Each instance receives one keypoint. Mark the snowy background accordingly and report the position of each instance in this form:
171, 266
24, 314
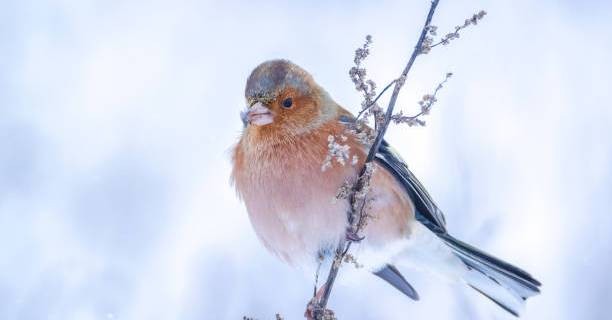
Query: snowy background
117, 117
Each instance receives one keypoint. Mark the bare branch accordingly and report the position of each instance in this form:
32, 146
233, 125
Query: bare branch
358, 198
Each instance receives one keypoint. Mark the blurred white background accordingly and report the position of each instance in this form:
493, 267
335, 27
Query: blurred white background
117, 117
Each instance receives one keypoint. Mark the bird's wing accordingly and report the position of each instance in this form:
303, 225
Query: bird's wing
426, 210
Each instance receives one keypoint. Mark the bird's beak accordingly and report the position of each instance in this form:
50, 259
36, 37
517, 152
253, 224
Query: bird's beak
259, 115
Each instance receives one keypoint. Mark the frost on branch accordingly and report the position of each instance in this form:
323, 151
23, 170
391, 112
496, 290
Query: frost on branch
360, 203
358, 74
426, 103
367, 87
349, 258
345, 190
338, 152
432, 31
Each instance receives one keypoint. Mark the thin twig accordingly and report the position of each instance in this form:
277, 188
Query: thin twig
426, 104
375, 99
455, 34
344, 246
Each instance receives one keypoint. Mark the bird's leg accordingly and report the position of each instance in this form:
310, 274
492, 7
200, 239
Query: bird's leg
320, 258
313, 305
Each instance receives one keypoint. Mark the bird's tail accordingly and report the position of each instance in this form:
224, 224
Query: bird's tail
503, 283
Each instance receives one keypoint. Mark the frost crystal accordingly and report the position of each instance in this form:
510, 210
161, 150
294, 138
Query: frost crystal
336, 151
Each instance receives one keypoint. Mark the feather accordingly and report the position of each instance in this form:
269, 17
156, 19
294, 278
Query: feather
506, 285
390, 274
426, 210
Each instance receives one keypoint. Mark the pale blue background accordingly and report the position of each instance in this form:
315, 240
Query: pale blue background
117, 117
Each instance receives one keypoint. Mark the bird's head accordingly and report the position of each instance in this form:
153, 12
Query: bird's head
282, 96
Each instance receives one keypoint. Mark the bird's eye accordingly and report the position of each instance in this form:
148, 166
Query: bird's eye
287, 103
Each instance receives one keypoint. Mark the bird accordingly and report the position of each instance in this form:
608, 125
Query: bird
291, 198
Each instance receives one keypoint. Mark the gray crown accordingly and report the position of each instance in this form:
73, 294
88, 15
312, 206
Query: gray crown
271, 77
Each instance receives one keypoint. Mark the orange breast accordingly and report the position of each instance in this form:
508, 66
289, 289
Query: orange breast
291, 201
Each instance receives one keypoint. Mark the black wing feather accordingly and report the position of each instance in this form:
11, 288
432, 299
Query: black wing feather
390, 274
426, 210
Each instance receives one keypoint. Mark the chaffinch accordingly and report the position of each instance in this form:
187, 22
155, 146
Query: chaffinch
277, 172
